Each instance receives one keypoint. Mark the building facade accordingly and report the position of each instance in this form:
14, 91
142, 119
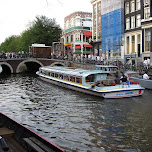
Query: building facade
112, 31
133, 31
146, 25
138, 30
96, 27
78, 34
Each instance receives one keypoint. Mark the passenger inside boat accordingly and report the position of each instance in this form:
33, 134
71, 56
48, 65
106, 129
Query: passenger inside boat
100, 84
90, 78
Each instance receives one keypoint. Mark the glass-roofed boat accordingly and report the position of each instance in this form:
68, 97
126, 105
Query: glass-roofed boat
93, 82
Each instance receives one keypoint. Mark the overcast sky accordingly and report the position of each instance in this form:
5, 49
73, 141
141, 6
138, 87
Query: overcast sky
16, 14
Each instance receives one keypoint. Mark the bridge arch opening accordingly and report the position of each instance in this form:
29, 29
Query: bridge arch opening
58, 64
31, 65
6, 68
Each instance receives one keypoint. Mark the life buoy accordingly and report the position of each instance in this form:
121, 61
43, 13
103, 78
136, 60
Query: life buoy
139, 91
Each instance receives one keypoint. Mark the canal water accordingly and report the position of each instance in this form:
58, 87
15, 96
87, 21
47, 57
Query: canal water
76, 121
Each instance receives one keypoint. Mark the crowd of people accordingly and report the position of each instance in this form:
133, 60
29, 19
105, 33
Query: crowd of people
10, 55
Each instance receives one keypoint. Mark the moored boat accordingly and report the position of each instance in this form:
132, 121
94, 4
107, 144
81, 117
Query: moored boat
15, 137
136, 77
87, 81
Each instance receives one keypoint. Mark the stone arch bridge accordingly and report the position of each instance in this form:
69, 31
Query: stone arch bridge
30, 64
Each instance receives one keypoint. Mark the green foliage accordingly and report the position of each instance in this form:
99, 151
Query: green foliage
42, 30
10, 44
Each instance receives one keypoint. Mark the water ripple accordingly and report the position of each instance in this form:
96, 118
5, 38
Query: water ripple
75, 121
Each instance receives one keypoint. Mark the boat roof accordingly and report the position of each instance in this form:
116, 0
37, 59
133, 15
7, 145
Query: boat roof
106, 66
71, 71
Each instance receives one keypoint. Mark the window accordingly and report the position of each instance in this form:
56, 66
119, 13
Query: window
77, 36
71, 38
60, 76
99, 20
138, 20
127, 8
127, 44
72, 78
67, 24
147, 40
147, 12
95, 22
127, 23
78, 22
146, 2
72, 22
99, 8
79, 80
138, 5
133, 22
133, 44
132, 6
94, 9
67, 40
138, 38
66, 77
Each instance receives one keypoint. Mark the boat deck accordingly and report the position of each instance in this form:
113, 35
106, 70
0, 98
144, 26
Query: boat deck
12, 144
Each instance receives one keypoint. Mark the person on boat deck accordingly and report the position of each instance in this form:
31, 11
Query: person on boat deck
117, 80
117, 74
123, 78
145, 76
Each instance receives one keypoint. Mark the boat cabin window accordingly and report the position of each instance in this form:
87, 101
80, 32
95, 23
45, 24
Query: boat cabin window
45, 72
66, 77
60, 76
52, 74
72, 78
56, 75
90, 78
113, 69
104, 69
79, 80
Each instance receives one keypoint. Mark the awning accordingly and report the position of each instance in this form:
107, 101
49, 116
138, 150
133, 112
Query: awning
78, 47
68, 46
87, 45
88, 33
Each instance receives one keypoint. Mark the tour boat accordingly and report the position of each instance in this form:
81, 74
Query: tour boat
86, 81
15, 137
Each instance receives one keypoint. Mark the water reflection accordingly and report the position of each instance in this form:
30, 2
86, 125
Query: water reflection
75, 121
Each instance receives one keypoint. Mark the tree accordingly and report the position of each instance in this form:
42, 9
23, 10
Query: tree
42, 30
10, 44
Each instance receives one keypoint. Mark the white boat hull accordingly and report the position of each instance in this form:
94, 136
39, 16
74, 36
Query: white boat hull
123, 94
120, 92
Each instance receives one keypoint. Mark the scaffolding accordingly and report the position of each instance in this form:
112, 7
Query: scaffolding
112, 22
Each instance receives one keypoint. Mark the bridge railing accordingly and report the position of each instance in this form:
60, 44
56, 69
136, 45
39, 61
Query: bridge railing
14, 55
